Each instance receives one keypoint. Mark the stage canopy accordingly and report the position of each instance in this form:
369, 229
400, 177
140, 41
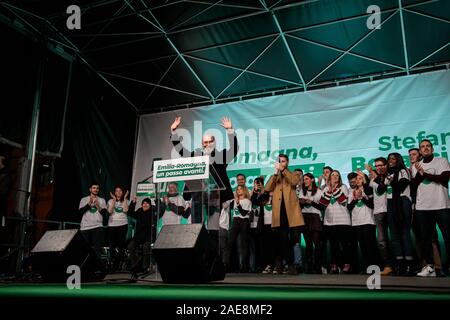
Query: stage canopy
165, 55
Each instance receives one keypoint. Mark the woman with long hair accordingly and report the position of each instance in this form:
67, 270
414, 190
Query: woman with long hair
117, 226
239, 209
266, 238
337, 222
397, 184
360, 205
309, 198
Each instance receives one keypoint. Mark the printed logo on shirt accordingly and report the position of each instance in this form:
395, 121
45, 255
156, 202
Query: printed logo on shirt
118, 209
389, 189
359, 203
307, 206
93, 209
333, 200
379, 193
426, 181
236, 212
268, 207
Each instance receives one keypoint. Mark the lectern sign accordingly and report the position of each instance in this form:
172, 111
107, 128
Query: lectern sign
194, 168
145, 189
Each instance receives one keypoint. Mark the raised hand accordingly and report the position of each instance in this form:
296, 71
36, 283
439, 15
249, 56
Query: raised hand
175, 123
134, 199
368, 168
358, 194
277, 167
226, 123
126, 195
361, 174
112, 196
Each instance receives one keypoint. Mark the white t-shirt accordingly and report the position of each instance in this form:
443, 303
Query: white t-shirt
402, 174
92, 218
246, 205
361, 214
224, 218
379, 200
118, 217
170, 217
256, 212
268, 213
432, 195
315, 198
336, 213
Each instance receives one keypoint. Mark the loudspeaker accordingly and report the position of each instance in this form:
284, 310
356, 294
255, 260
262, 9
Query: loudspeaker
185, 254
59, 249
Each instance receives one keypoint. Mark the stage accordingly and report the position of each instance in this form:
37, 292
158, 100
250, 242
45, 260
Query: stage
241, 287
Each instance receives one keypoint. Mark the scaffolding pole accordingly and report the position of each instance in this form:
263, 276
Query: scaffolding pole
28, 175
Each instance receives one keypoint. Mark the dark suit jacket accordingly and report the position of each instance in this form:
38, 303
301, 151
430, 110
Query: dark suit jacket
220, 161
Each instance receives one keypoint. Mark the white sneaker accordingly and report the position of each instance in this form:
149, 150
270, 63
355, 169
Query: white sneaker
267, 270
427, 271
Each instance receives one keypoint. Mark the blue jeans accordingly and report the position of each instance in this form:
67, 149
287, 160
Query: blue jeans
401, 229
298, 257
427, 220
383, 237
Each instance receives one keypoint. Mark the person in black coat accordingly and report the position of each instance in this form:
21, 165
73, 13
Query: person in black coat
145, 232
219, 160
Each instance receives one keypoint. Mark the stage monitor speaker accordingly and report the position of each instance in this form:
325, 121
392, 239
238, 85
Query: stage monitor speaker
185, 254
59, 249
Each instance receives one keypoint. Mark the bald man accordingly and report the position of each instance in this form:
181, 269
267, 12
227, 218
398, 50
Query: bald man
219, 159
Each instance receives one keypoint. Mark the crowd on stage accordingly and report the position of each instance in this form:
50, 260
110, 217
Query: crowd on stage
389, 216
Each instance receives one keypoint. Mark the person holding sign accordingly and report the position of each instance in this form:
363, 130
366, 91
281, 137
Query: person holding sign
219, 160
145, 233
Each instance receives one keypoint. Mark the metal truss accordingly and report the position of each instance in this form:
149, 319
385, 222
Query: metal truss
157, 31
182, 58
68, 44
